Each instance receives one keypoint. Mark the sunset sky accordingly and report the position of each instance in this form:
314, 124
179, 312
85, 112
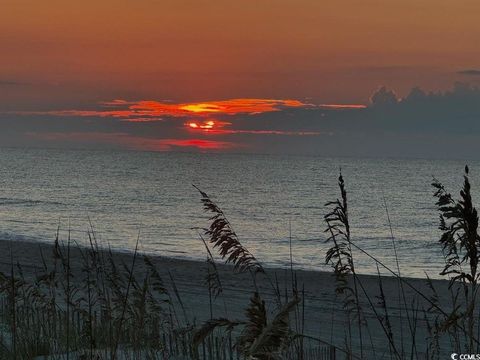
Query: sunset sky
255, 76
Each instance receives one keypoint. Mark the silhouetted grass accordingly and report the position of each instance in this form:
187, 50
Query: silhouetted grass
109, 309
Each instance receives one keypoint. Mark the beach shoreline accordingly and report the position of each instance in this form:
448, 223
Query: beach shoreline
325, 315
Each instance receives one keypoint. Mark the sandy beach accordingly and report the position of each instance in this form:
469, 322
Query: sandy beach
323, 313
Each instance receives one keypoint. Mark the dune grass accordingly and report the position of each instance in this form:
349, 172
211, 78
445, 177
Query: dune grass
109, 310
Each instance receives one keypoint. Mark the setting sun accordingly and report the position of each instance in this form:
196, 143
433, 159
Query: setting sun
207, 125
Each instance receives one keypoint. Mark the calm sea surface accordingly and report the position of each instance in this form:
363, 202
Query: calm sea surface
129, 193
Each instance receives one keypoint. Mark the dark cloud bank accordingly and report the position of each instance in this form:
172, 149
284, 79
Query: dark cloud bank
473, 72
431, 125
422, 124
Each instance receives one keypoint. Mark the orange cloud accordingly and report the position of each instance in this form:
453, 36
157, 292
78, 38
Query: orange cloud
223, 107
198, 117
343, 106
149, 110
201, 108
146, 109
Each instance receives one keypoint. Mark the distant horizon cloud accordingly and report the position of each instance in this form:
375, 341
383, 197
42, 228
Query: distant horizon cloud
145, 109
417, 124
473, 72
130, 142
6, 82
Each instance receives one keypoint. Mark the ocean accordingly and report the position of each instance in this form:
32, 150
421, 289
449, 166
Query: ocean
267, 198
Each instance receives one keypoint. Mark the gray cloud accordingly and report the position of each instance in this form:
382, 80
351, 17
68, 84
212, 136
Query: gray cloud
471, 72
6, 82
422, 124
